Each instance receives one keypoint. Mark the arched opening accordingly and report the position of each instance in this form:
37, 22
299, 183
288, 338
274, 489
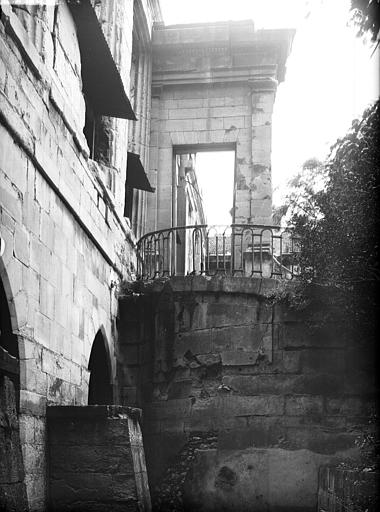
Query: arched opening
8, 341
9, 361
12, 487
100, 387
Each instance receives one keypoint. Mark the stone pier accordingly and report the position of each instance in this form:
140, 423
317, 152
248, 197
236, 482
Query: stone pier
96, 459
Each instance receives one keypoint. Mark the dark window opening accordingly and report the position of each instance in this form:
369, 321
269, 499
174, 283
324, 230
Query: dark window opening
7, 340
9, 362
128, 201
89, 130
103, 87
102, 83
97, 133
136, 179
100, 387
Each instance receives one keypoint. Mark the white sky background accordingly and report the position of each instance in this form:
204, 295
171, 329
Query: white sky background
217, 193
330, 76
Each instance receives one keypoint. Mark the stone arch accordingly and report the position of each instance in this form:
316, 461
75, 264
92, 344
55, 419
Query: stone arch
9, 349
7, 339
100, 390
8, 303
12, 486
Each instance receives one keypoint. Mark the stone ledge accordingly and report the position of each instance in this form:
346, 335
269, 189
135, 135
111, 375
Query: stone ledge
210, 284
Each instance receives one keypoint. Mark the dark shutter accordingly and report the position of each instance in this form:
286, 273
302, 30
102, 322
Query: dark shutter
102, 84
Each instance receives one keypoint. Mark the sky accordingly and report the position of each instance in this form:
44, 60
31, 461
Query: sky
217, 201
330, 79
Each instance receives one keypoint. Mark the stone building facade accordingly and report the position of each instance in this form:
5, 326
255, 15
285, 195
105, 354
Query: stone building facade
65, 79
244, 401
99, 104
213, 88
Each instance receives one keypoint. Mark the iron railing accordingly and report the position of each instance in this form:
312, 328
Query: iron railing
236, 250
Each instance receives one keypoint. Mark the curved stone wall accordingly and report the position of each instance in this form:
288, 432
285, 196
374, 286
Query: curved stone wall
282, 394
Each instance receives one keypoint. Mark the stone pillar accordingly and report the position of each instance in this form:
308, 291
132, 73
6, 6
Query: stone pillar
181, 214
96, 459
261, 182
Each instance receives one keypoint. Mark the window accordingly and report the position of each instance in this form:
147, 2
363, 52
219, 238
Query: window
97, 135
102, 85
136, 179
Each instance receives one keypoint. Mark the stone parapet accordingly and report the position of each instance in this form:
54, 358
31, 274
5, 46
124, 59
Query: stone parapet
282, 393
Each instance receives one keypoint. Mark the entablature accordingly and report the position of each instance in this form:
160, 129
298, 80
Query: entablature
210, 47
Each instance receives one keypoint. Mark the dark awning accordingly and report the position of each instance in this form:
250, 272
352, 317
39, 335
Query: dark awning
136, 175
102, 83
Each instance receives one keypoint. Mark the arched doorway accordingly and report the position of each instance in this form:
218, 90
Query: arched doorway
100, 389
12, 487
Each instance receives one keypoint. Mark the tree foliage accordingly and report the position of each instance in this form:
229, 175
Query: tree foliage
366, 15
338, 225
301, 189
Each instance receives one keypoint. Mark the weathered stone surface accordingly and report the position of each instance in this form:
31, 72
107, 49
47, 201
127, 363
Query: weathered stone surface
292, 485
96, 455
338, 487
168, 495
305, 405
216, 359
91, 459
194, 107
168, 409
251, 385
12, 471
240, 337
66, 239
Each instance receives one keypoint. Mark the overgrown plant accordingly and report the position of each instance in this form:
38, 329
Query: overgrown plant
337, 223
334, 210
366, 16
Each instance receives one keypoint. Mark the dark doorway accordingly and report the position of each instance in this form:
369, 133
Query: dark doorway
100, 386
8, 341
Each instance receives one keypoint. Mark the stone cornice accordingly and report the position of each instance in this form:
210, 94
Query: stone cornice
257, 80
228, 40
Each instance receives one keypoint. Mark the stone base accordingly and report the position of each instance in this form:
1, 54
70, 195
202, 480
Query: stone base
96, 459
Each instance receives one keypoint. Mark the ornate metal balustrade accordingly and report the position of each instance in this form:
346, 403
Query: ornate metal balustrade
236, 250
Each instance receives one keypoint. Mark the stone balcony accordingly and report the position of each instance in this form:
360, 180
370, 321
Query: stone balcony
244, 250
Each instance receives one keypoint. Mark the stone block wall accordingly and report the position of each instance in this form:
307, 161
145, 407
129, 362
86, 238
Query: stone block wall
67, 244
214, 87
193, 116
281, 395
96, 459
136, 326
347, 489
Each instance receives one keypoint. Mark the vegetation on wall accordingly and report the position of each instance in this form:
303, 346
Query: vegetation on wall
333, 206
334, 210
